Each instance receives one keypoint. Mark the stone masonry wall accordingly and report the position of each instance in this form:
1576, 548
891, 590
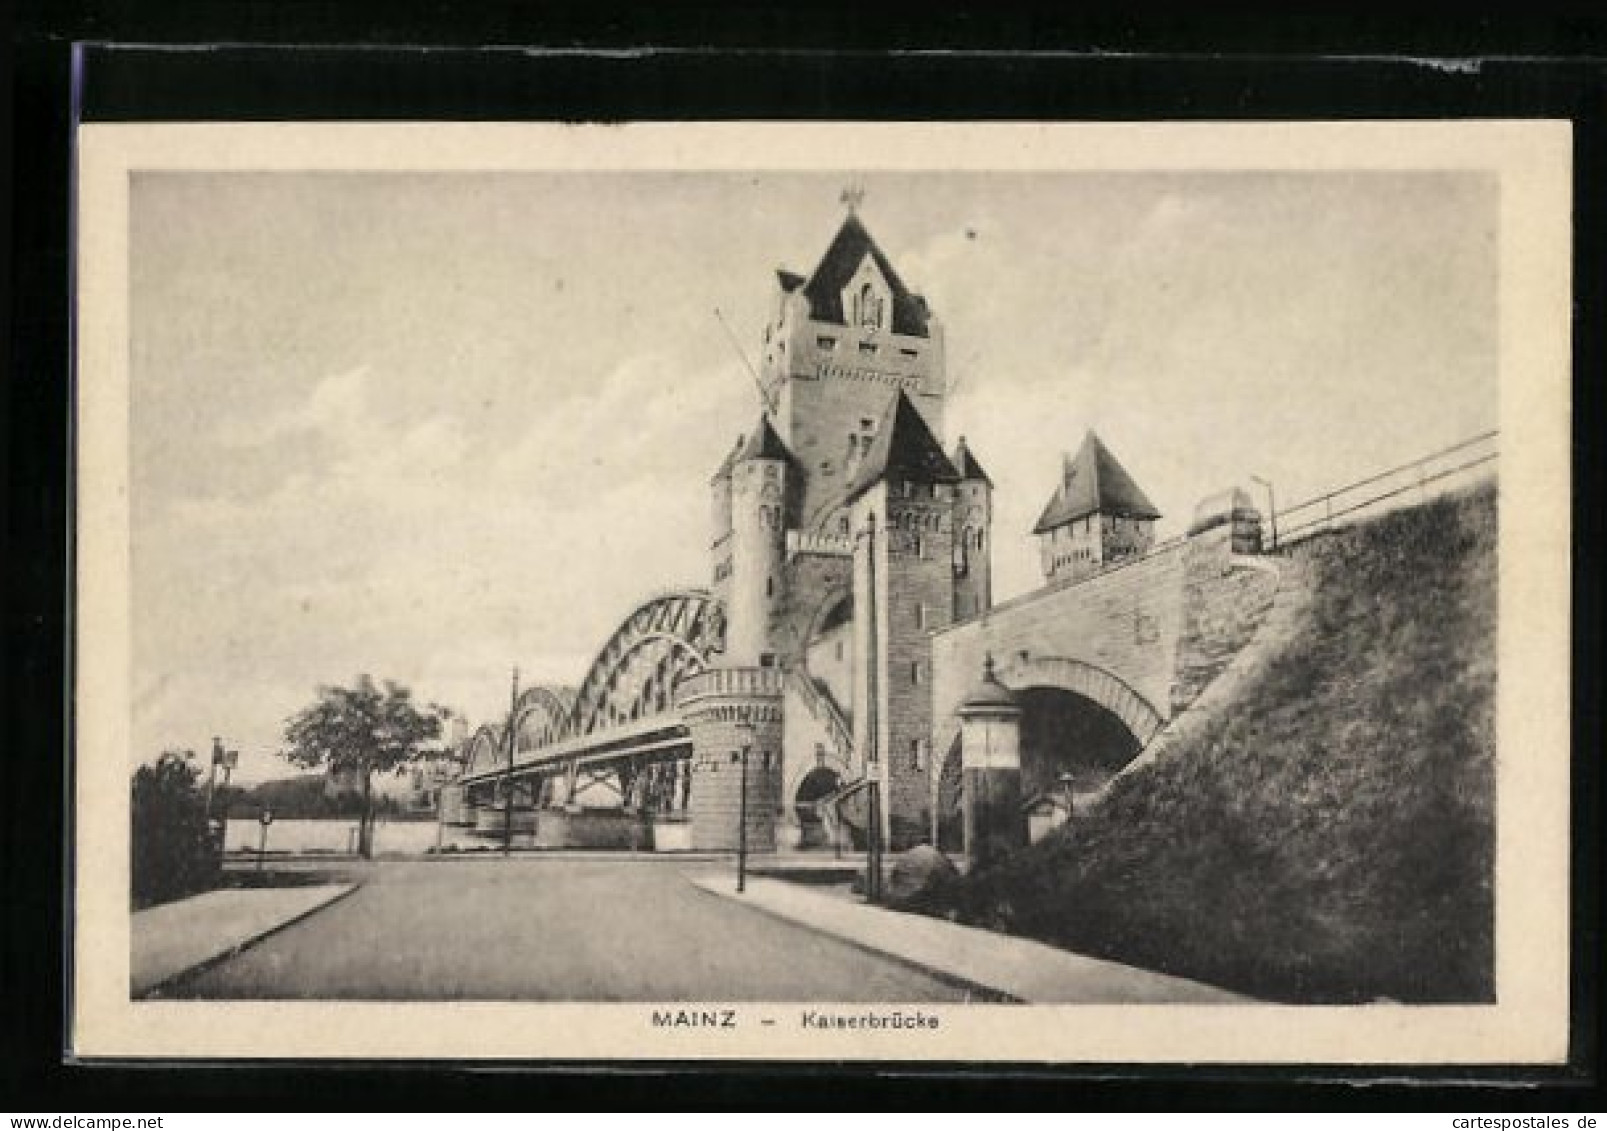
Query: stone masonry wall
1225, 600
720, 707
1126, 620
918, 599
810, 583
1166, 625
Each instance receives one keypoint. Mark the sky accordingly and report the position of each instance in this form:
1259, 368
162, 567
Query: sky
431, 426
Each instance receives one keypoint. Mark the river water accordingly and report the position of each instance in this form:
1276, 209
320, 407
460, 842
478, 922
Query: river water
340, 836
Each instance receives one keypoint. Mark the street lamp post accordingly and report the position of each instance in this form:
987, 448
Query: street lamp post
1272, 507
227, 759
741, 758
264, 819
212, 773
507, 807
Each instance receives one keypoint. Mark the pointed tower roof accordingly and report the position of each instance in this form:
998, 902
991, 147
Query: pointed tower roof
1094, 483
824, 288
763, 443
965, 463
904, 448
726, 464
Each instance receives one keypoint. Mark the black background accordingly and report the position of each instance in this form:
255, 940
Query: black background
599, 62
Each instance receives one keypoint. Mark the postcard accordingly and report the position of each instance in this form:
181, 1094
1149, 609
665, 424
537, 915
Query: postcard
1033, 592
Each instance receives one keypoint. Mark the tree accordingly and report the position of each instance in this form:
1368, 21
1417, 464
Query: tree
173, 852
358, 730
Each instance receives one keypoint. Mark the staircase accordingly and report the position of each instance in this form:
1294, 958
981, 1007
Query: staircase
823, 708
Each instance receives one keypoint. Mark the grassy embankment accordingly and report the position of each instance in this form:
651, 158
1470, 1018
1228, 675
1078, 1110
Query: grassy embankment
1329, 836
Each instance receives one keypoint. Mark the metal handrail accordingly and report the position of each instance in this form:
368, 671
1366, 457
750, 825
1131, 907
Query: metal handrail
1424, 478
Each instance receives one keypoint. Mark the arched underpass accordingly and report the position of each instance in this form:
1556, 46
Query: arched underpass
1064, 734
1078, 722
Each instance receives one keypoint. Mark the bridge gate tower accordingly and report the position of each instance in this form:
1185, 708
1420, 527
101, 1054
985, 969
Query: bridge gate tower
840, 520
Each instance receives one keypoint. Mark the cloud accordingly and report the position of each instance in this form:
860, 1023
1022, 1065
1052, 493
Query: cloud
337, 407
408, 553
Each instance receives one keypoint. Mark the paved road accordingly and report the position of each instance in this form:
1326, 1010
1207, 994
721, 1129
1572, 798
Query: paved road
549, 929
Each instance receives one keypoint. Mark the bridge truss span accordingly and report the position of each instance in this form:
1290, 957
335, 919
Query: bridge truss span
487, 750
620, 728
664, 640
542, 717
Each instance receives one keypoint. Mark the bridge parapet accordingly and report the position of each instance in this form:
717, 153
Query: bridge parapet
729, 681
826, 545
1141, 638
734, 717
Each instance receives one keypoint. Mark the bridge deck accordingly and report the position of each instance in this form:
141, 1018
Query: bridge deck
660, 734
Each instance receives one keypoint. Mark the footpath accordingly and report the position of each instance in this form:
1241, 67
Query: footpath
186, 934
1016, 968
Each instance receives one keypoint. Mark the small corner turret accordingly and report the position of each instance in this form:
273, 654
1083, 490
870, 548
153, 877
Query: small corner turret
759, 492
1097, 516
973, 535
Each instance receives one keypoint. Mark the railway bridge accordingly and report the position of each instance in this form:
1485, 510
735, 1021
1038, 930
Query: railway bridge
663, 736
621, 734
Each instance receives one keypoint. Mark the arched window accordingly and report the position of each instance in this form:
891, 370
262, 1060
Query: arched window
870, 307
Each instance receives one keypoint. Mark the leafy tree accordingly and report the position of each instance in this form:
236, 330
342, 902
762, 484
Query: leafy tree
173, 851
356, 731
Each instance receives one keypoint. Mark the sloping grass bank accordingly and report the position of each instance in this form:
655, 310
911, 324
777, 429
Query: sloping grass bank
1328, 837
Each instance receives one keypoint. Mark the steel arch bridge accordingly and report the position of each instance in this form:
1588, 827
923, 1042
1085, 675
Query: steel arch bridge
664, 640
619, 728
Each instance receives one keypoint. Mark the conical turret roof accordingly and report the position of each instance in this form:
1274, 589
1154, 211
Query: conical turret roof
763, 443
904, 448
726, 464
966, 464
1094, 482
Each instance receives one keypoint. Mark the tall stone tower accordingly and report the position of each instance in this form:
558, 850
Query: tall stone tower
843, 536
839, 343
902, 512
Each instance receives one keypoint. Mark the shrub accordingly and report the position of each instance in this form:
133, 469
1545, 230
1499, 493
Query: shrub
173, 852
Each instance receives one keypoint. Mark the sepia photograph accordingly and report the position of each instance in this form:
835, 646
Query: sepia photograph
866, 591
